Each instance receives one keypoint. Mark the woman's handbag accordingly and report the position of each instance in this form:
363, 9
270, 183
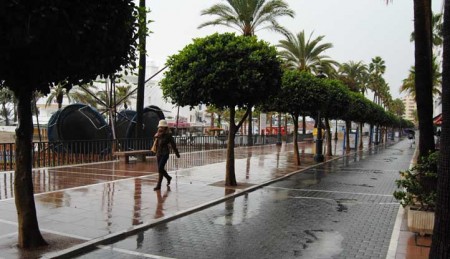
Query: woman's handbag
155, 143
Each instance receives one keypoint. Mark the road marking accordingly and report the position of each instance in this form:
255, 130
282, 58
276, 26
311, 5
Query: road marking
8, 235
152, 176
43, 230
337, 200
125, 251
315, 190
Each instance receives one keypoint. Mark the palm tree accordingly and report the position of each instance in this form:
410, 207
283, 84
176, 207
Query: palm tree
397, 107
248, 16
376, 81
57, 94
84, 94
356, 73
124, 95
408, 85
437, 30
6, 97
306, 54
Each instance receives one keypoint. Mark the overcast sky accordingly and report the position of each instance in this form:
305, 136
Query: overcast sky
358, 29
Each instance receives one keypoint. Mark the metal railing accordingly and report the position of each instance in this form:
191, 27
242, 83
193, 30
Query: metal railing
50, 154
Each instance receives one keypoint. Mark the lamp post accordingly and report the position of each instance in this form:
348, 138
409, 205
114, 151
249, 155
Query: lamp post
318, 157
336, 133
279, 130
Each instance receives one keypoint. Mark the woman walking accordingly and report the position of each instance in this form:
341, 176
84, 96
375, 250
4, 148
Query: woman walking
163, 139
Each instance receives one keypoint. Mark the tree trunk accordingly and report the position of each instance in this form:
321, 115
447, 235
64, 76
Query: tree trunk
270, 124
59, 100
377, 127
371, 135
329, 146
212, 120
361, 145
29, 233
304, 124
286, 126
297, 154
230, 178
348, 125
424, 74
250, 130
440, 247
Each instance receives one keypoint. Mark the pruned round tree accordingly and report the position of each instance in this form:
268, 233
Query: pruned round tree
226, 71
300, 93
45, 42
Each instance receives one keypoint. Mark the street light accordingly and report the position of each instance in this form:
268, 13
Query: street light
318, 157
335, 133
279, 130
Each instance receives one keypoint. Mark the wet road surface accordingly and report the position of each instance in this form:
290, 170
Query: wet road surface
340, 209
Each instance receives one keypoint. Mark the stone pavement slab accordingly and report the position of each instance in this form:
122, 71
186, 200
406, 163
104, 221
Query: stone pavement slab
91, 201
302, 216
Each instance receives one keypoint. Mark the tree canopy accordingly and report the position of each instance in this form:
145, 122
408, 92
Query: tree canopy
46, 42
223, 70
226, 71
43, 43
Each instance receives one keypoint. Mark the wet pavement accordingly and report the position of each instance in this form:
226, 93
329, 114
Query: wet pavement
340, 209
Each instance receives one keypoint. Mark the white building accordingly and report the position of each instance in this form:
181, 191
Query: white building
410, 107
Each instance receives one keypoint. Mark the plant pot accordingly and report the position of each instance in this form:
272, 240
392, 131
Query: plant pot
420, 221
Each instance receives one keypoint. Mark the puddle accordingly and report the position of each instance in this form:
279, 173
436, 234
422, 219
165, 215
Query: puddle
321, 244
236, 212
342, 204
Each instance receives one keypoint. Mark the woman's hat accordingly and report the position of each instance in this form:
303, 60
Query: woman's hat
162, 123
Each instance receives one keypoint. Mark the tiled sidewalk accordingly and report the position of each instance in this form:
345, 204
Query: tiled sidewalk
85, 202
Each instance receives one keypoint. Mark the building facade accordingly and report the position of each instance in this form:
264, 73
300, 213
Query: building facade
410, 108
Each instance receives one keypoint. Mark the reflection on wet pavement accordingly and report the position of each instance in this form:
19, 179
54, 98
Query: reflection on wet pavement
325, 212
323, 244
90, 201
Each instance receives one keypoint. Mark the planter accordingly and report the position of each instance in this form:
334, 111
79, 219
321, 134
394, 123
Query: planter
420, 221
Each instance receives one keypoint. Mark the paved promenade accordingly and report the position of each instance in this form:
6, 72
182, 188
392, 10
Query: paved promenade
345, 204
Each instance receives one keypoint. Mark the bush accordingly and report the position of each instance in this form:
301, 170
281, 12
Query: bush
419, 184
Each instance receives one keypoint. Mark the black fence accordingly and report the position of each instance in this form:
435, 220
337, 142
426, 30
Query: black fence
49, 154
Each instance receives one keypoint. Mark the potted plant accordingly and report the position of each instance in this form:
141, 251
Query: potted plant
418, 194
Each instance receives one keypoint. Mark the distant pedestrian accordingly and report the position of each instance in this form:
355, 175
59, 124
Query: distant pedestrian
411, 137
164, 138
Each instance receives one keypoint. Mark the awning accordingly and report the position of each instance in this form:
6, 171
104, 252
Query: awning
437, 120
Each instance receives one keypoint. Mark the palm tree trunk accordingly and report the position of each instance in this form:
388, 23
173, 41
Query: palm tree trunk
441, 232
212, 120
424, 75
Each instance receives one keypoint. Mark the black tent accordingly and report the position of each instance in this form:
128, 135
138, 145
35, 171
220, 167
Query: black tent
78, 123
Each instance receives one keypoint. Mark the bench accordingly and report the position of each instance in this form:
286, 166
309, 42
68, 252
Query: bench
125, 155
